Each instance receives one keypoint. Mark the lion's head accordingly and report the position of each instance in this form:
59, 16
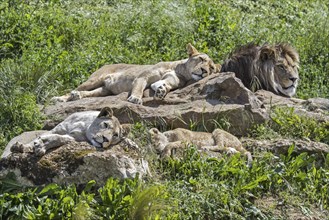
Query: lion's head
105, 130
159, 140
198, 65
269, 67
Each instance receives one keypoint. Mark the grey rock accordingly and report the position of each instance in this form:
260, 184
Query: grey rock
219, 100
77, 163
317, 108
281, 146
219, 97
24, 138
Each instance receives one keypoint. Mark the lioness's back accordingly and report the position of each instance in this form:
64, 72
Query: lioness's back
76, 124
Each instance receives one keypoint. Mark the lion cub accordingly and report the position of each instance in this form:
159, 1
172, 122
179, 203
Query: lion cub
218, 141
101, 129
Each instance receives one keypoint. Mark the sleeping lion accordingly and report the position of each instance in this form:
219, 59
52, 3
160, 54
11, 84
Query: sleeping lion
270, 67
162, 77
217, 141
99, 128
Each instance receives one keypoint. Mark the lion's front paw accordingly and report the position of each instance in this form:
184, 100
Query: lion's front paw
75, 95
161, 92
39, 147
134, 99
19, 147
40, 151
160, 89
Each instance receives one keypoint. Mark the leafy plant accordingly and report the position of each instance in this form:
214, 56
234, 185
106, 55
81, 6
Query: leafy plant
286, 123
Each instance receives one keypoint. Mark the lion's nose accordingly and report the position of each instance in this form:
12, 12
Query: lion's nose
105, 139
204, 71
293, 79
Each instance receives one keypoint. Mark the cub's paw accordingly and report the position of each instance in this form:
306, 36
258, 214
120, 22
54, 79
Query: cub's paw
75, 95
135, 100
19, 147
161, 92
231, 151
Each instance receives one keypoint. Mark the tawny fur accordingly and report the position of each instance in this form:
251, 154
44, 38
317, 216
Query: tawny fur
270, 67
217, 141
161, 77
101, 129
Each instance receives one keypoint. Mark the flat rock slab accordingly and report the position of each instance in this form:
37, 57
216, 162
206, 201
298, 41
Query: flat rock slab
219, 97
281, 146
24, 138
77, 162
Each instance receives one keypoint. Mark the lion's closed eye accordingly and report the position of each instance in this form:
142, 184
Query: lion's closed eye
105, 125
282, 67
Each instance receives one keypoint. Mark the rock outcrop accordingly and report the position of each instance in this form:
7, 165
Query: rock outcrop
219, 100
77, 162
217, 97
281, 146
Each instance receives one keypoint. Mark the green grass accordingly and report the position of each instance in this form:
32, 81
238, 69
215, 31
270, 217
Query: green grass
286, 123
194, 187
49, 47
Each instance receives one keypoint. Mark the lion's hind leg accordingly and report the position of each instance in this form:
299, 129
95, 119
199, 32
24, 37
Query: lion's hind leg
99, 92
19, 147
230, 151
42, 144
91, 84
63, 98
230, 144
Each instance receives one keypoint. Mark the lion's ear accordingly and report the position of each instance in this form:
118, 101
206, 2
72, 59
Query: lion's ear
154, 131
218, 67
288, 50
191, 50
106, 112
267, 53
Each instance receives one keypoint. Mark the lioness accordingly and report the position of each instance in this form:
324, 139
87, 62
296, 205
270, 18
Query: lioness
162, 77
270, 67
101, 129
218, 141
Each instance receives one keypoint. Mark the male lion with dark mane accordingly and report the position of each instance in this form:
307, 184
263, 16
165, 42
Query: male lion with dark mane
270, 67
161, 77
